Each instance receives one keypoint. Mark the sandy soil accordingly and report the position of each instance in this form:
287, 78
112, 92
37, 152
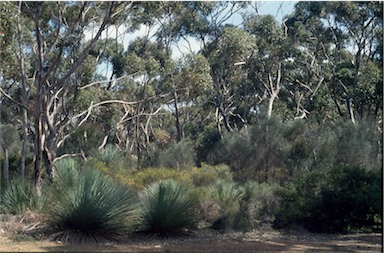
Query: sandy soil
27, 233
210, 241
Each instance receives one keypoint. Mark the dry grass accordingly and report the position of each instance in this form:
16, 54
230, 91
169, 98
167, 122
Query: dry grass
30, 224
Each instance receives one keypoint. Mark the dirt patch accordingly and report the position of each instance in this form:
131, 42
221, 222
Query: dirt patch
212, 241
27, 233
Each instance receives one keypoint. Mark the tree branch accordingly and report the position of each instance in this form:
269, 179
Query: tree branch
13, 100
60, 83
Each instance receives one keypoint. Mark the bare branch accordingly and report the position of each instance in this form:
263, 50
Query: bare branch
103, 143
86, 51
103, 81
87, 116
10, 98
65, 156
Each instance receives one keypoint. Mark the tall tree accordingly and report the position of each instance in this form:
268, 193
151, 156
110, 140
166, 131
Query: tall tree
8, 138
347, 36
226, 55
269, 58
57, 55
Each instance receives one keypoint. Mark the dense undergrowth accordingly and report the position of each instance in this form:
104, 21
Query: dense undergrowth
323, 180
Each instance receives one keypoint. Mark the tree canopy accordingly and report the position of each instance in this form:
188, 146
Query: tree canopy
321, 64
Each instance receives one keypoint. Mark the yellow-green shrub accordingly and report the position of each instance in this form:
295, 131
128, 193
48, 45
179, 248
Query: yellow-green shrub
142, 178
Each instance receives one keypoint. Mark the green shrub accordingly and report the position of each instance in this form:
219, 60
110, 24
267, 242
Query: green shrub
343, 200
89, 207
350, 200
258, 205
168, 206
204, 176
253, 151
144, 177
298, 199
179, 156
227, 196
18, 197
66, 172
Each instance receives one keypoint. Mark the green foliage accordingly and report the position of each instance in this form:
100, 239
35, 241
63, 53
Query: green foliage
204, 176
257, 206
206, 139
181, 155
147, 176
8, 136
109, 154
297, 199
88, 207
254, 153
227, 196
18, 197
168, 207
345, 199
67, 175
350, 200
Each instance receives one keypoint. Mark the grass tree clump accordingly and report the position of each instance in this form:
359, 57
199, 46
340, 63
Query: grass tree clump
18, 197
167, 207
92, 208
227, 195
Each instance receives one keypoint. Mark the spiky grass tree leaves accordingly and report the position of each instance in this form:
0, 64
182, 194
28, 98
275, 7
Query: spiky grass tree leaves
168, 207
92, 209
228, 196
18, 197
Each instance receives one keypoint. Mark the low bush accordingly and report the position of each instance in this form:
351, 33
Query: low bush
144, 177
167, 207
226, 195
89, 207
257, 206
179, 156
18, 197
351, 200
345, 199
204, 176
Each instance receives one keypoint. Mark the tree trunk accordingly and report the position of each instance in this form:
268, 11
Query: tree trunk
225, 118
270, 105
274, 89
177, 117
38, 152
350, 109
6, 167
24, 98
24, 143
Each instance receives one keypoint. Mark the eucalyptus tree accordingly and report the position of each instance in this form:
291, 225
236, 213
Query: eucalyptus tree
13, 69
234, 47
145, 60
270, 58
346, 40
309, 72
8, 138
176, 21
194, 83
58, 55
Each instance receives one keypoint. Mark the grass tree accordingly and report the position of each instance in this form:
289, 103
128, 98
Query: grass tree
89, 207
167, 207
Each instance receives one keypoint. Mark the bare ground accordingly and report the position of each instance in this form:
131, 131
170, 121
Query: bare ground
15, 236
209, 241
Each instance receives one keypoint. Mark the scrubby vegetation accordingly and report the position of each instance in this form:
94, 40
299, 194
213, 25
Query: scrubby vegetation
306, 184
268, 125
